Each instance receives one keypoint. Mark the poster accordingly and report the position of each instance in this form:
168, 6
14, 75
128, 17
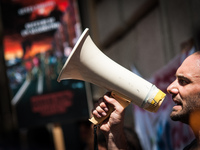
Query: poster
38, 36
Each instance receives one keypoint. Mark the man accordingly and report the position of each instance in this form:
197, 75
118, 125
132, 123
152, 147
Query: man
185, 91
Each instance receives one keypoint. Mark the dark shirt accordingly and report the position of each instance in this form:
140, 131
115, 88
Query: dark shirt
192, 146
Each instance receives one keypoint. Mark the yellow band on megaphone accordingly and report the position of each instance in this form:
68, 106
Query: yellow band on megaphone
154, 105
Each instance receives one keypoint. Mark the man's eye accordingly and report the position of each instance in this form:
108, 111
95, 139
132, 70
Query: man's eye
182, 82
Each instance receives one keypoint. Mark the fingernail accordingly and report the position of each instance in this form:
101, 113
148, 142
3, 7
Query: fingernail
105, 96
106, 109
103, 113
98, 116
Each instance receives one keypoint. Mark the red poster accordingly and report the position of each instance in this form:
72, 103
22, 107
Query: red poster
38, 37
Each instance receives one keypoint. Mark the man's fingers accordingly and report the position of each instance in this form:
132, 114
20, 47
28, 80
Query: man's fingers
100, 108
102, 104
99, 112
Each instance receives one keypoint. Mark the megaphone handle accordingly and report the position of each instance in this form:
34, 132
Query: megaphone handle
124, 101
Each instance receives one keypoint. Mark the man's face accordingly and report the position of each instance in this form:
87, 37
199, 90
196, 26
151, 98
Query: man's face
185, 89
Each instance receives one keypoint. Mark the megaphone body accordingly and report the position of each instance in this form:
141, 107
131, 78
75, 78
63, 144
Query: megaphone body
87, 63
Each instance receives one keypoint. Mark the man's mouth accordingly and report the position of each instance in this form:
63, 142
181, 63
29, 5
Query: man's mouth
178, 104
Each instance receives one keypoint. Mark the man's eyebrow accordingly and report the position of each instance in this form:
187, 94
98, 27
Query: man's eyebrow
183, 77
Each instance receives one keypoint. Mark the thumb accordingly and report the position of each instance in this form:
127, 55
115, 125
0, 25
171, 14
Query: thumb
112, 101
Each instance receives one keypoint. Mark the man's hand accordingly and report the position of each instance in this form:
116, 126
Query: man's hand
112, 127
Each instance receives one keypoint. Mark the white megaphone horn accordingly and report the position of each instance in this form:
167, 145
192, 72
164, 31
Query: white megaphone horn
87, 63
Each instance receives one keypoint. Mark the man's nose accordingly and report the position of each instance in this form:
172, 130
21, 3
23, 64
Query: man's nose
172, 88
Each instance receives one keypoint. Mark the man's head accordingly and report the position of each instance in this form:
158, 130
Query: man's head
185, 89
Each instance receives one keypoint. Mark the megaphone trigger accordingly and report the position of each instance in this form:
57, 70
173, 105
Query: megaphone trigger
97, 121
123, 100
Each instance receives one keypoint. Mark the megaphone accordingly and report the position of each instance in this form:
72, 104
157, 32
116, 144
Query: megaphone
87, 63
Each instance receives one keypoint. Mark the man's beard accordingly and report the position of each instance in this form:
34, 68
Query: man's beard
191, 106
183, 117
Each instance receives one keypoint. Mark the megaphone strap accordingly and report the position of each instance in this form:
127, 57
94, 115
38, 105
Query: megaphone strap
95, 137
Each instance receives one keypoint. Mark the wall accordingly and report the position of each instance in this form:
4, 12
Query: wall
154, 36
